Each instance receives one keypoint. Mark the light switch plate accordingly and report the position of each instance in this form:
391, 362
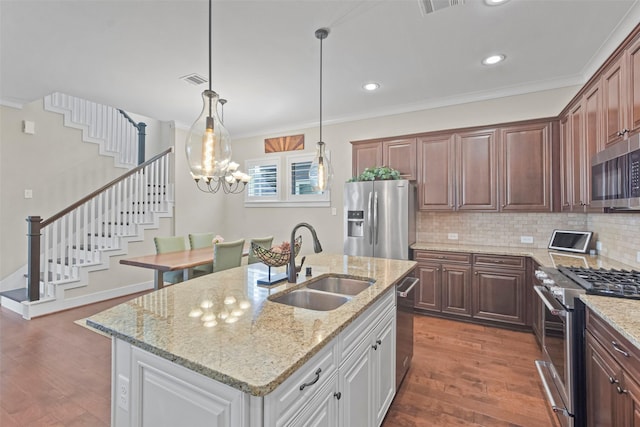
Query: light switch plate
28, 127
452, 236
638, 256
28, 194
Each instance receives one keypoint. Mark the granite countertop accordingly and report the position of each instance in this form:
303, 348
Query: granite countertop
622, 314
255, 344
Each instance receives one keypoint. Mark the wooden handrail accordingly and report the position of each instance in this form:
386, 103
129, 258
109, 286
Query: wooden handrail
103, 188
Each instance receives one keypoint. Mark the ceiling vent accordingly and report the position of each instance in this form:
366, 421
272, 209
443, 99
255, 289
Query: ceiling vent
194, 79
430, 6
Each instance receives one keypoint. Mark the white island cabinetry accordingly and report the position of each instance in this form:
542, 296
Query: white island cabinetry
349, 382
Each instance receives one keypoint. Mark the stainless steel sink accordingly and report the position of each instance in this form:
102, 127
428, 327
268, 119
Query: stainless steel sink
340, 285
312, 300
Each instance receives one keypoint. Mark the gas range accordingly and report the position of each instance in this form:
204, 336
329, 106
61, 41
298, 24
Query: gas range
566, 283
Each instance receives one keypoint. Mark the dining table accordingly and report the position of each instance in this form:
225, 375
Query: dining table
173, 261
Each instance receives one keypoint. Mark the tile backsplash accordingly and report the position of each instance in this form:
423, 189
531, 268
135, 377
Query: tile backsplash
618, 233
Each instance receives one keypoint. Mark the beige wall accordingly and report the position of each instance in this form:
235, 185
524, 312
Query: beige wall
241, 221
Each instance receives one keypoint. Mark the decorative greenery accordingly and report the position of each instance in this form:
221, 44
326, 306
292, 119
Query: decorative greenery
380, 173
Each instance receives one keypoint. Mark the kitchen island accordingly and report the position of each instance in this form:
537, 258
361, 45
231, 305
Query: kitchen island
215, 350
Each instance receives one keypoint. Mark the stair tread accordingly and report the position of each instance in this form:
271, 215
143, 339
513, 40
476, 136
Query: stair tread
18, 295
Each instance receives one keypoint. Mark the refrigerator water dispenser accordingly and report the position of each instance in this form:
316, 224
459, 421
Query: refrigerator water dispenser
355, 223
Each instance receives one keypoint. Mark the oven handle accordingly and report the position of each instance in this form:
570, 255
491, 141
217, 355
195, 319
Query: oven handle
405, 293
559, 409
554, 306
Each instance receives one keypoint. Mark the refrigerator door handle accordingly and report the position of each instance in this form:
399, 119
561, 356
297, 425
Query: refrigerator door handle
369, 218
375, 217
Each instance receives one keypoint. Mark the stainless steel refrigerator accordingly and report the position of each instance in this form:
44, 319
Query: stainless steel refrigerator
379, 218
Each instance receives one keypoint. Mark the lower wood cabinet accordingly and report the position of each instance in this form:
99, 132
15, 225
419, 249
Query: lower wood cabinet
482, 287
613, 376
499, 295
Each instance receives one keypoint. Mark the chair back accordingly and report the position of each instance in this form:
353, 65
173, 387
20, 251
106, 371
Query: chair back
264, 242
227, 255
170, 244
201, 240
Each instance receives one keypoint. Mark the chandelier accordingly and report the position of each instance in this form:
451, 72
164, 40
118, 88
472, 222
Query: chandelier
208, 145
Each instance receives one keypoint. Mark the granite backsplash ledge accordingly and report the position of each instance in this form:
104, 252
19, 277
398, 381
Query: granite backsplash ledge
618, 233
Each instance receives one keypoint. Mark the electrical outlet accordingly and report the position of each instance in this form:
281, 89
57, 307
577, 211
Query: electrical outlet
123, 392
638, 256
28, 194
334, 211
526, 239
452, 236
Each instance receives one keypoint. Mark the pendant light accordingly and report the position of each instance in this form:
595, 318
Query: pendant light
208, 145
321, 172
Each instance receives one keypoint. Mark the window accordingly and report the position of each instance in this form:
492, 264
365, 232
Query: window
265, 178
268, 187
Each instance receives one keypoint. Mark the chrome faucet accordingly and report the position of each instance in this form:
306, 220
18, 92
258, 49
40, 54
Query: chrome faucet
292, 261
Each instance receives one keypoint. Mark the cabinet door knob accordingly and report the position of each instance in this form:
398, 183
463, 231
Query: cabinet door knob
375, 347
475, 272
444, 269
612, 380
378, 342
620, 390
337, 395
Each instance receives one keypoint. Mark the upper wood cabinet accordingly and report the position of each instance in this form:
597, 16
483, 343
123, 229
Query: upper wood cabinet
436, 173
399, 154
366, 155
458, 171
526, 167
477, 170
621, 90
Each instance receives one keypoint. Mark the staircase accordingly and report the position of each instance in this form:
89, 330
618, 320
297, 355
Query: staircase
80, 239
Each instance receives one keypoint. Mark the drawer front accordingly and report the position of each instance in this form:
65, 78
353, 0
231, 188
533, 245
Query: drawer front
353, 334
442, 256
499, 261
304, 383
623, 351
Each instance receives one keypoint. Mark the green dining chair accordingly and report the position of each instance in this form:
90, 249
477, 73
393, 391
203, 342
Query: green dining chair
202, 240
170, 244
264, 242
227, 255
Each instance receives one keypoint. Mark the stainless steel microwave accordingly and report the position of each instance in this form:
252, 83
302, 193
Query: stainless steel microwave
615, 176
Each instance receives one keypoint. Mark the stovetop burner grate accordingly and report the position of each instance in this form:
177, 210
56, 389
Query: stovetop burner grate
617, 283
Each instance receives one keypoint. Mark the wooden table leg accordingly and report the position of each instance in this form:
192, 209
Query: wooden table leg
158, 281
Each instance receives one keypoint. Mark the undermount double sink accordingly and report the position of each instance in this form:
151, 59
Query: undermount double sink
325, 293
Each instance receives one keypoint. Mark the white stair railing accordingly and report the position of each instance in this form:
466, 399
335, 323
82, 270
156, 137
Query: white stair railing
100, 124
79, 234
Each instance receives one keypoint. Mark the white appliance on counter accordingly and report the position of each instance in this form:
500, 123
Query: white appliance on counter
379, 218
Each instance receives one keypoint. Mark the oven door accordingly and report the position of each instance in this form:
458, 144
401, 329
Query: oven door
555, 369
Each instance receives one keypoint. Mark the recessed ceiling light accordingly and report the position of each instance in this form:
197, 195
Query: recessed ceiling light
495, 2
493, 59
371, 86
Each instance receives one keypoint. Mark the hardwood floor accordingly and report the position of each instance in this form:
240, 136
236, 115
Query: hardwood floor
470, 375
56, 373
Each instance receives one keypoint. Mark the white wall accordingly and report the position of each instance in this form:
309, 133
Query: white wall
252, 222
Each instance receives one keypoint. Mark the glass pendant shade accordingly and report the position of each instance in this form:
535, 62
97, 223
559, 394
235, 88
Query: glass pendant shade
320, 171
208, 145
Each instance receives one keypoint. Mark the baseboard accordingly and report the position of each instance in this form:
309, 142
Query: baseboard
41, 308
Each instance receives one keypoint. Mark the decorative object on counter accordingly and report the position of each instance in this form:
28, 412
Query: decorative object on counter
208, 145
321, 171
380, 173
264, 242
284, 143
276, 256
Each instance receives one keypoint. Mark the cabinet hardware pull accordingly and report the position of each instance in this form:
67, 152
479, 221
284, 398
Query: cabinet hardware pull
375, 347
612, 380
337, 395
620, 390
315, 380
444, 269
475, 272
378, 342
618, 349
625, 130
